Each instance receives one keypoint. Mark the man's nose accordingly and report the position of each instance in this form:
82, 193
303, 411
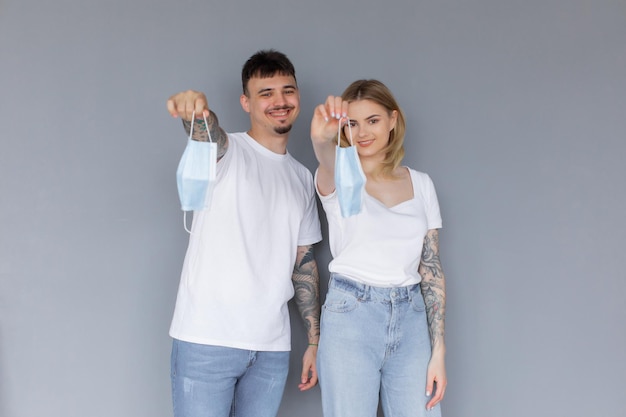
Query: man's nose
280, 99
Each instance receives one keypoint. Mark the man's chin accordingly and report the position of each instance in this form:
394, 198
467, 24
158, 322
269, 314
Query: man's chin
281, 130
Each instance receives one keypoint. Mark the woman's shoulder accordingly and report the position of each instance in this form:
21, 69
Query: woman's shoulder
415, 174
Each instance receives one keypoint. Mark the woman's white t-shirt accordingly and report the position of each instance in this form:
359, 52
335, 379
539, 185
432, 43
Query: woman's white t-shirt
382, 246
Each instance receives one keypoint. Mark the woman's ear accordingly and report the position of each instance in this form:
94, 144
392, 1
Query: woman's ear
394, 119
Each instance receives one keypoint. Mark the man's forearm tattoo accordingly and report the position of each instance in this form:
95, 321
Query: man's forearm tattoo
433, 287
306, 285
218, 135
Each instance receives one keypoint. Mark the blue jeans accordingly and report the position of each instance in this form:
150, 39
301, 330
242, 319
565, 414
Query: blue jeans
215, 381
374, 344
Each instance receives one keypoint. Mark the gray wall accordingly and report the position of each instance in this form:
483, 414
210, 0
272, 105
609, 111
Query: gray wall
517, 109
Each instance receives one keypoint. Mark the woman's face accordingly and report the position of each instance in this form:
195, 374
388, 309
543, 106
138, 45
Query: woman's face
370, 124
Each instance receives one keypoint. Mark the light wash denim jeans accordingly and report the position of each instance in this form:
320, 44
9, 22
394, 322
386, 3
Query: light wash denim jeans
374, 343
215, 381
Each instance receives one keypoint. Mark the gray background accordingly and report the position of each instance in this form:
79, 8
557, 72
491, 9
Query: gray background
517, 110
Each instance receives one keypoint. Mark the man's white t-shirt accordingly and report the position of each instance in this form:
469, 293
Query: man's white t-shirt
382, 246
236, 277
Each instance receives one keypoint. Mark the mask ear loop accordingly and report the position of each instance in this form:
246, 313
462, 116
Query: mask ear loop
349, 131
206, 125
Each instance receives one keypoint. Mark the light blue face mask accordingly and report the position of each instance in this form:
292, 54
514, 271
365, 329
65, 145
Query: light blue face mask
349, 177
196, 173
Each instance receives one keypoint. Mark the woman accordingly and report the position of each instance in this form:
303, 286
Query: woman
386, 293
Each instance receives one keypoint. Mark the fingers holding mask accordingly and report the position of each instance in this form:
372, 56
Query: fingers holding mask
327, 118
336, 107
186, 103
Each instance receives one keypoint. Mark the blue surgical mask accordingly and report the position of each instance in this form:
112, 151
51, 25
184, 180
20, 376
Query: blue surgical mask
196, 173
349, 177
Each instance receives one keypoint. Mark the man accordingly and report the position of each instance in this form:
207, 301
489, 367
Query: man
231, 331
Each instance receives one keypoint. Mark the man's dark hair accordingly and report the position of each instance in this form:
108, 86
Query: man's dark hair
264, 64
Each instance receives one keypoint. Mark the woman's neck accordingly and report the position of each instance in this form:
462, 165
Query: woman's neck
373, 166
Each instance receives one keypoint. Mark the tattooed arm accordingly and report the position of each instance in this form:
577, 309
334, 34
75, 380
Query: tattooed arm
185, 104
306, 284
434, 291
200, 132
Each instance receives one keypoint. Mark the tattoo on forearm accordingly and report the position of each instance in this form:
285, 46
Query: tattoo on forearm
433, 287
306, 285
307, 257
218, 135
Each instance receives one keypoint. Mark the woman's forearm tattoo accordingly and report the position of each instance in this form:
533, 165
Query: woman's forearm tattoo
433, 287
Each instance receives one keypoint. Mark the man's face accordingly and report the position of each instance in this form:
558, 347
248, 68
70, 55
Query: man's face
273, 103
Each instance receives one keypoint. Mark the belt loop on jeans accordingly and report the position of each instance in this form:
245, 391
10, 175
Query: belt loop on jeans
366, 289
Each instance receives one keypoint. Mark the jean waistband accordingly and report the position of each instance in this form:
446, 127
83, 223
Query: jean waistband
368, 292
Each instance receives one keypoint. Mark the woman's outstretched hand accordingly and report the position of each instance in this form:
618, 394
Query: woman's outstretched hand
326, 119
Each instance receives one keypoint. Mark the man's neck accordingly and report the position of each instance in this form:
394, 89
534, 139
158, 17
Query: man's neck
276, 143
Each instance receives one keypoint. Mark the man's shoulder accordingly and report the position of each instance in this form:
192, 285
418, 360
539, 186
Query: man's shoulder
299, 167
236, 141
236, 135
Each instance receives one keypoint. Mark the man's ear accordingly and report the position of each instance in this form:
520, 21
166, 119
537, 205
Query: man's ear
245, 104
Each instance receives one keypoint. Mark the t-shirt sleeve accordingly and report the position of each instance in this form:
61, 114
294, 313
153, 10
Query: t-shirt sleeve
310, 230
224, 162
431, 203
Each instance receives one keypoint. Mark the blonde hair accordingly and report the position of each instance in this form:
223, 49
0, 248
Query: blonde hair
378, 92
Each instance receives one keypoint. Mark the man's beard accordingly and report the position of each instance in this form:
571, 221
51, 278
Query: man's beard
281, 130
